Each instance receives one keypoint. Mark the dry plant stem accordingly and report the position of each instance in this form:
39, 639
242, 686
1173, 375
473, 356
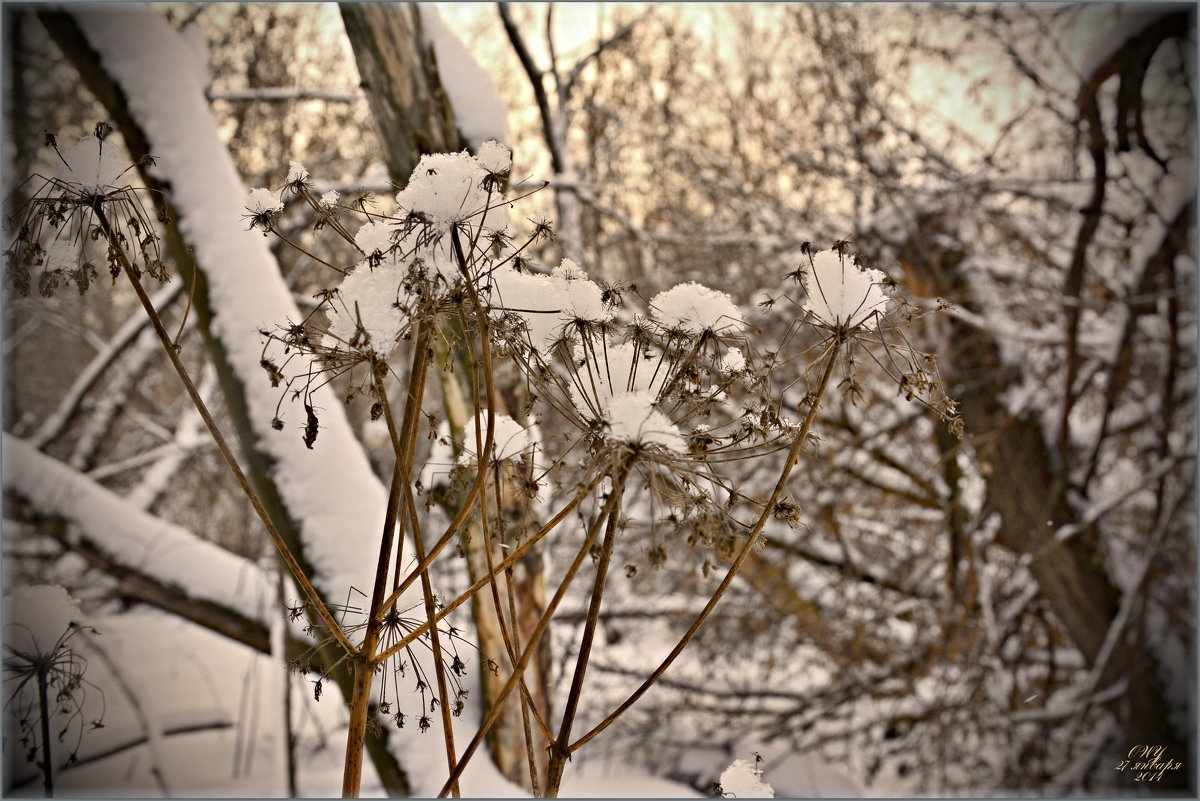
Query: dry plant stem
360, 699
364, 661
508, 561
508, 636
559, 752
792, 457
44, 708
618, 480
506, 633
165, 338
528, 702
472, 496
439, 667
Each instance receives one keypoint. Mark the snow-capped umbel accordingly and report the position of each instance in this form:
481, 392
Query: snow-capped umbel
495, 157
549, 303
611, 370
367, 305
695, 308
447, 188
93, 166
633, 418
374, 237
263, 201
733, 361
841, 294
296, 173
743, 780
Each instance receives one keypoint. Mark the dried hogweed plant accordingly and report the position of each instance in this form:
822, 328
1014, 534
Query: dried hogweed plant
655, 412
44, 676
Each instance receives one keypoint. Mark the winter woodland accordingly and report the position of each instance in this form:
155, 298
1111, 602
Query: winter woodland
743, 400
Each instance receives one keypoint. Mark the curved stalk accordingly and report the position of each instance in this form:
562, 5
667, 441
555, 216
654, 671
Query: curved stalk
164, 337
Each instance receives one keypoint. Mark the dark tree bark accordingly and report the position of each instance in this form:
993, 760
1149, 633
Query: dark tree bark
400, 76
1027, 489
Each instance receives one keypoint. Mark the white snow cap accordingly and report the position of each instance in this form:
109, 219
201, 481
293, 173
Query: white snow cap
296, 172
495, 157
374, 237
36, 618
446, 188
93, 166
733, 361
633, 418
368, 297
744, 780
263, 201
547, 303
695, 308
841, 294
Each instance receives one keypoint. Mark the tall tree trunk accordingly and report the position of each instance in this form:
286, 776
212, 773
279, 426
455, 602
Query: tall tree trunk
400, 76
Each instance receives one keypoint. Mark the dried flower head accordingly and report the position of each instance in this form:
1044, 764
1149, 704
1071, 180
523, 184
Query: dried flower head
86, 215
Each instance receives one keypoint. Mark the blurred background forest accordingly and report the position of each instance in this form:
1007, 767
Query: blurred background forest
1009, 611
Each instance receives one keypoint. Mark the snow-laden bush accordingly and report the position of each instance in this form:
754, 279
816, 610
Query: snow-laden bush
650, 402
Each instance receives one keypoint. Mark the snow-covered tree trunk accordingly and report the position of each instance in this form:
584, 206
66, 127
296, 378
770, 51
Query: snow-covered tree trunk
324, 505
1027, 491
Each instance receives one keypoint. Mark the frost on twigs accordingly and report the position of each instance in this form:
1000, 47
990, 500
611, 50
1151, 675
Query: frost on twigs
84, 219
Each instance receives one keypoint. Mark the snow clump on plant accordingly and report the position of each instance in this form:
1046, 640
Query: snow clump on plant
844, 296
91, 167
495, 157
549, 304
632, 418
743, 780
696, 309
449, 188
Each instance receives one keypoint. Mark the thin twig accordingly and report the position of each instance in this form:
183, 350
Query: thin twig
230, 460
